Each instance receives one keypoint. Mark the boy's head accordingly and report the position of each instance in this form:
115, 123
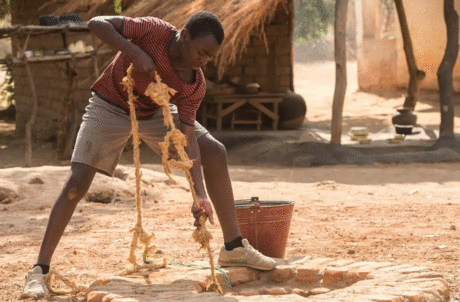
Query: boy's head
201, 38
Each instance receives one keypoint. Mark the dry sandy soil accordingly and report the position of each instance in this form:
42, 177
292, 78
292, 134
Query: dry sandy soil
400, 213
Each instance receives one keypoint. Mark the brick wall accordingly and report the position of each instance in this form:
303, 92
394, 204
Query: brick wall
51, 84
270, 68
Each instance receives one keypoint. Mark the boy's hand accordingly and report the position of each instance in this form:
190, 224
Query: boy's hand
205, 209
143, 62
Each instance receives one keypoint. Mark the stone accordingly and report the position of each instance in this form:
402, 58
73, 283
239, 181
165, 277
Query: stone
96, 296
275, 291
306, 274
36, 181
300, 292
319, 291
340, 263
249, 292
282, 273
110, 297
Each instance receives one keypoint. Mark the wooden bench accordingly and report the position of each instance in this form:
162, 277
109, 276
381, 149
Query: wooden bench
218, 106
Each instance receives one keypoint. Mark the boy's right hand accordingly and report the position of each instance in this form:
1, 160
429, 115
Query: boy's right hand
143, 62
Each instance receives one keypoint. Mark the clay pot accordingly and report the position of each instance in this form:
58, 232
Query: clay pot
405, 117
292, 111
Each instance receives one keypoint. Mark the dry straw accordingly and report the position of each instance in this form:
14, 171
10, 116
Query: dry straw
242, 19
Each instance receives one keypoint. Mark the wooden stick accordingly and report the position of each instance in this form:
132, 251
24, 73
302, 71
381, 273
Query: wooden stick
33, 115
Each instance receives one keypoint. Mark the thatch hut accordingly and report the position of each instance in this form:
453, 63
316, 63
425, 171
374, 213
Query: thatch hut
257, 48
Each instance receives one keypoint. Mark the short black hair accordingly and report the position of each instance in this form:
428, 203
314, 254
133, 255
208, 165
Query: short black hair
205, 23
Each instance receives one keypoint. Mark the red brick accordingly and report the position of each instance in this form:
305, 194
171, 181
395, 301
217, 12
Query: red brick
306, 274
333, 277
353, 277
282, 273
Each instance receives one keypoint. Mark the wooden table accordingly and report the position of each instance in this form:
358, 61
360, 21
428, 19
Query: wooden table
226, 104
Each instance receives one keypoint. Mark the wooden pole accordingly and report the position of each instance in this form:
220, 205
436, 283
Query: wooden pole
416, 76
341, 8
291, 39
33, 116
445, 71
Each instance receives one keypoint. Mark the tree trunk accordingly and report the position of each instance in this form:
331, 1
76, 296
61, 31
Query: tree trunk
416, 76
340, 48
446, 69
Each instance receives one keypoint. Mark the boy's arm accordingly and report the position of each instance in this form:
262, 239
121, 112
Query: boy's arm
110, 30
193, 151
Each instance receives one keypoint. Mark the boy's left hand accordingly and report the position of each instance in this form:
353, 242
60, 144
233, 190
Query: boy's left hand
205, 209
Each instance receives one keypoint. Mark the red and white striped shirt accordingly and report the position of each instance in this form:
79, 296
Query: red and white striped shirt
152, 35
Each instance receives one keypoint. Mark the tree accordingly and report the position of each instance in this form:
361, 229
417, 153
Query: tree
5, 8
416, 76
340, 36
445, 71
313, 19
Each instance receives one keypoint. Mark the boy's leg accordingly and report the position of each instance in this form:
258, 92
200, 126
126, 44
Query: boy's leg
76, 186
218, 184
100, 142
236, 251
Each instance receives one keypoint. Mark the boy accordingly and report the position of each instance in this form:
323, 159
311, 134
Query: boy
150, 44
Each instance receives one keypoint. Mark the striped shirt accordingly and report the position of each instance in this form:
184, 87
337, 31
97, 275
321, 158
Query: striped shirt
153, 36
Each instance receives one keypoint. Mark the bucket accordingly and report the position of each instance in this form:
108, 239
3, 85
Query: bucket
265, 224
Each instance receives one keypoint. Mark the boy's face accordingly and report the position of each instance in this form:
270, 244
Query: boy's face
199, 51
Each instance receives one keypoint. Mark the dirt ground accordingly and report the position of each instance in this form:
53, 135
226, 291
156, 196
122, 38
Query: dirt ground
402, 213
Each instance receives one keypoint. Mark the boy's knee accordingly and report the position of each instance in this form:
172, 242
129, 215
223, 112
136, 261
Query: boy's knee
215, 155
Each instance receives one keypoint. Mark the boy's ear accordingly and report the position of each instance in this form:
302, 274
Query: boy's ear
185, 35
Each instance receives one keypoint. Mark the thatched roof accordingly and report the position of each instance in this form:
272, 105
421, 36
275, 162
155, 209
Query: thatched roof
241, 18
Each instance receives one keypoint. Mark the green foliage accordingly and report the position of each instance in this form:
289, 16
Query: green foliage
7, 87
5, 8
313, 19
117, 5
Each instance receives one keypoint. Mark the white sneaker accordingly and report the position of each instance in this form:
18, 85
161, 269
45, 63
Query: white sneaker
35, 285
245, 256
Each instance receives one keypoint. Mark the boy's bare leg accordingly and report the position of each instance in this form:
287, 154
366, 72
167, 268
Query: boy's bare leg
76, 186
218, 184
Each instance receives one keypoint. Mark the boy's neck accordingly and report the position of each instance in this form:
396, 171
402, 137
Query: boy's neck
174, 54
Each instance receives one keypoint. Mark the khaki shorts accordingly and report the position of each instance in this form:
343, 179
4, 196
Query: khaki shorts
105, 129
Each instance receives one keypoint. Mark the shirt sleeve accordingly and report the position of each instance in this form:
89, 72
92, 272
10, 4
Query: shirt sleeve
139, 28
191, 100
187, 110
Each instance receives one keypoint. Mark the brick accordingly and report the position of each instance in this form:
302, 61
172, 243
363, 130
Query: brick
256, 51
282, 273
250, 70
282, 49
353, 277
306, 274
277, 30
275, 291
283, 70
333, 277
237, 276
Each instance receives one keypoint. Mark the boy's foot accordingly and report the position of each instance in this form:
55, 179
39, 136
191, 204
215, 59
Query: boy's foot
245, 256
35, 285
